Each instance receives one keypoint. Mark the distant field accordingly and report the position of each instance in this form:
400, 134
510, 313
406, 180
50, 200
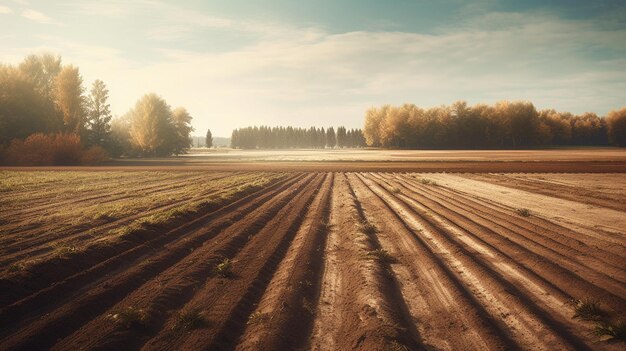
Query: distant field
566, 160
558, 154
329, 261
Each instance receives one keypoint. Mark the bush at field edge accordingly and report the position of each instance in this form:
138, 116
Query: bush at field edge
51, 149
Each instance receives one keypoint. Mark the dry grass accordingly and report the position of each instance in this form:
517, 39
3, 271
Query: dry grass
129, 317
189, 319
588, 309
368, 228
610, 331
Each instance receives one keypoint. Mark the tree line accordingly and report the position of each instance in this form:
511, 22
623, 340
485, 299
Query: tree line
43, 101
265, 137
505, 124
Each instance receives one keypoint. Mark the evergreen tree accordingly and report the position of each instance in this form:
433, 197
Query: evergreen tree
208, 141
99, 115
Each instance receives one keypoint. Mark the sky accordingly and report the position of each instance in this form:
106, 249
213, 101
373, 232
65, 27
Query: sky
324, 63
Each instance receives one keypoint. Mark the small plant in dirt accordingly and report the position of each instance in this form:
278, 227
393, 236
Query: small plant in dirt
381, 255
129, 317
189, 319
65, 251
395, 190
224, 269
256, 318
524, 212
427, 181
368, 228
308, 306
587, 309
394, 345
16, 267
103, 216
609, 331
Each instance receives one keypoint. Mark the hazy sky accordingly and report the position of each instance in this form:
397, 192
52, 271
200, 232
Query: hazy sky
239, 63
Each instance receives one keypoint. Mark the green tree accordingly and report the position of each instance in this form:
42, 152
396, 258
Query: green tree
331, 138
69, 99
23, 111
151, 127
99, 115
42, 71
341, 137
616, 123
182, 130
209, 138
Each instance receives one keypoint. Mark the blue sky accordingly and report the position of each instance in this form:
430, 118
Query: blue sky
237, 63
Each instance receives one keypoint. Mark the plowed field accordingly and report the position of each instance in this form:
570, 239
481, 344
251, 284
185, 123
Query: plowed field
322, 261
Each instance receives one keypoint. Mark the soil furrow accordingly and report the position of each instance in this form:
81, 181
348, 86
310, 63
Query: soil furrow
445, 312
556, 189
599, 224
357, 309
123, 191
105, 260
530, 328
294, 287
66, 236
44, 332
226, 302
543, 236
608, 267
543, 278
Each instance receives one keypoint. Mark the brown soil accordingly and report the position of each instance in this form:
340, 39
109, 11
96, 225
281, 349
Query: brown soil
359, 166
342, 261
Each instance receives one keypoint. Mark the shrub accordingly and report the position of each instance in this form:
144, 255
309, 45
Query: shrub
67, 148
52, 149
35, 150
94, 155
524, 212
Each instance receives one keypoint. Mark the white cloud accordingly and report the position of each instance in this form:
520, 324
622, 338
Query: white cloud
5, 10
36, 16
306, 75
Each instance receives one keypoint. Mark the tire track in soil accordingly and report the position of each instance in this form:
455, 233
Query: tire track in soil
360, 305
43, 244
541, 231
545, 227
525, 323
227, 302
95, 298
554, 189
446, 314
286, 304
542, 281
553, 257
577, 217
